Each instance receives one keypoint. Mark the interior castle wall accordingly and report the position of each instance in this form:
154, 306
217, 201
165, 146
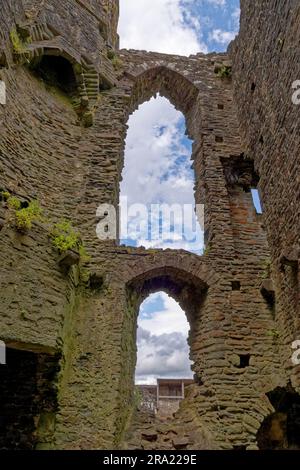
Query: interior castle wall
266, 65
46, 153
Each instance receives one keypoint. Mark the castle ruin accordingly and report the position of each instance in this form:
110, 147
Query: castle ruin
69, 324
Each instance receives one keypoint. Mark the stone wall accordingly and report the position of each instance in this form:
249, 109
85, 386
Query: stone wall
69, 154
28, 400
265, 60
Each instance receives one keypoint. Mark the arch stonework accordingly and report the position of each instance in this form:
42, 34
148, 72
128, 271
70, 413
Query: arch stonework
84, 320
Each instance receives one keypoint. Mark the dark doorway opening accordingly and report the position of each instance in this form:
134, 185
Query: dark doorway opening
27, 398
281, 429
56, 71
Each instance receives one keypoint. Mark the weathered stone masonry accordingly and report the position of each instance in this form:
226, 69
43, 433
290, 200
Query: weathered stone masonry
69, 153
266, 64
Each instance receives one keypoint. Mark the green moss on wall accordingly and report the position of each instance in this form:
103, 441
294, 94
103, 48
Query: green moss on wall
19, 43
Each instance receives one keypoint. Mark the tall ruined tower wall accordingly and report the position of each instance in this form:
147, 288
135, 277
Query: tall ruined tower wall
266, 67
71, 330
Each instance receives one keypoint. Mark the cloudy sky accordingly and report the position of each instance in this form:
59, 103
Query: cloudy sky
158, 160
178, 26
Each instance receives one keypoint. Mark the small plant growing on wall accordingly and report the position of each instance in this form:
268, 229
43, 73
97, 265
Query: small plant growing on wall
68, 242
274, 334
225, 72
117, 63
19, 42
22, 217
207, 250
13, 203
4, 195
111, 54
64, 237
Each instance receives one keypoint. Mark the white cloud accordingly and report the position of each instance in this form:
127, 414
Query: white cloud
165, 26
152, 173
162, 341
174, 245
236, 18
219, 3
221, 36
168, 320
224, 37
152, 145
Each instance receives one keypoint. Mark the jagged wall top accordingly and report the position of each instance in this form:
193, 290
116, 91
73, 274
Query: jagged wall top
82, 31
105, 12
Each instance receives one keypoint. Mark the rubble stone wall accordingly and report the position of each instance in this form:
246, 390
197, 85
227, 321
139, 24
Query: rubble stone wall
71, 161
265, 64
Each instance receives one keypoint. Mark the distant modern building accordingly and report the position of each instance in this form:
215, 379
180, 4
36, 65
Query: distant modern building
165, 397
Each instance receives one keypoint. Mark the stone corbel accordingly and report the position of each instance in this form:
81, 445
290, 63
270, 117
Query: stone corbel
290, 257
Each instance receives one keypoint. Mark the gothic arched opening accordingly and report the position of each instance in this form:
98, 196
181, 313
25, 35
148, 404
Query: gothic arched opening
162, 353
162, 401
281, 429
160, 315
158, 180
187, 290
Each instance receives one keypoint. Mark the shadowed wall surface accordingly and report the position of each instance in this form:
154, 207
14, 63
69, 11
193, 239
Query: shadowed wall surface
66, 149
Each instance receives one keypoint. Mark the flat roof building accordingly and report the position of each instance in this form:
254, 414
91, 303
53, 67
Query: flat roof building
164, 398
